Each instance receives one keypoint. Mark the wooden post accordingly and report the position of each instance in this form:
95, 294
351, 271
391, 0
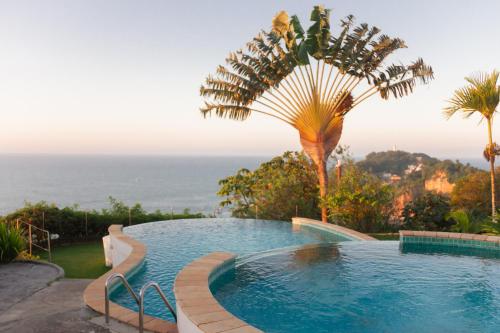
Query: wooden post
86, 225
43, 220
296, 211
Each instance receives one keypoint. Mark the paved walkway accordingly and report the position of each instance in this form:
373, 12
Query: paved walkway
33, 300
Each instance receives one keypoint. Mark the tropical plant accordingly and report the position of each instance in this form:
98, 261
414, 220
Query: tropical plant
360, 200
481, 96
11, 242
278, 189
310, 79
428, 212
463, 221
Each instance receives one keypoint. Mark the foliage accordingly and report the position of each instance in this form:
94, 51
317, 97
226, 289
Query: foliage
274, 190
428, 212
69, 222
482, 97
12, 242
472, 193
286, 73
463, 222
360, 201
394, 162
490, 227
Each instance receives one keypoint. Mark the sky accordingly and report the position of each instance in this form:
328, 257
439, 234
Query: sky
123, 77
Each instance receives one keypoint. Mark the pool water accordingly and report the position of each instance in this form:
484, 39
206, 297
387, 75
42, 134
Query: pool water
173, 244
364, 287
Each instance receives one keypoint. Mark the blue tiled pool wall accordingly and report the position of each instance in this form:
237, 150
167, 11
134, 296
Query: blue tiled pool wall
451, 242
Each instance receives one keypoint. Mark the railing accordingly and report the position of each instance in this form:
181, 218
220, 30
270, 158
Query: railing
139, 300
36, 231
110, 278
142, 293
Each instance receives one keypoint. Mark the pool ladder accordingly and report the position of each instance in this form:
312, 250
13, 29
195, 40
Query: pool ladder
138, 299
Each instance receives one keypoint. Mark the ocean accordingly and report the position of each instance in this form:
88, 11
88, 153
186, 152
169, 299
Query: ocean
157, 182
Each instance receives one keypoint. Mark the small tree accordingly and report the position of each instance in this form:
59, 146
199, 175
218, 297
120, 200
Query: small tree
481, 96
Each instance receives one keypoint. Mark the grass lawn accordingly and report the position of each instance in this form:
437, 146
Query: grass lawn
388, 236
82, 261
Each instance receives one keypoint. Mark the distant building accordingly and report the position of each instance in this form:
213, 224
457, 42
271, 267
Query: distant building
395, 179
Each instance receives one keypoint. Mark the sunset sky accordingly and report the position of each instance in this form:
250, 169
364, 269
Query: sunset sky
123, 77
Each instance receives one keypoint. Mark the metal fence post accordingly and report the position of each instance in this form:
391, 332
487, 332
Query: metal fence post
30, 239
48, 246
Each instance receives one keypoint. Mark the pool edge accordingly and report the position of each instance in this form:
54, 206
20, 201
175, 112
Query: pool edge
336, 229
93, 295
197, 309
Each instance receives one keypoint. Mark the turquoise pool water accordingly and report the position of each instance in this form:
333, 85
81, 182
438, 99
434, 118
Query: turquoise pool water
173, 244
364, 287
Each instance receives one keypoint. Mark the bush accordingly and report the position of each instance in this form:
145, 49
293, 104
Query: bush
11, 242
275, 190
74, 224
428, 212
360, 201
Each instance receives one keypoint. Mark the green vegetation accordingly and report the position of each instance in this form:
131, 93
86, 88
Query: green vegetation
360, 201
472, 193
481, 96
276, 190
398, 163
80, 261
311, 79
428, 212
73, 224
385, 236
12, 242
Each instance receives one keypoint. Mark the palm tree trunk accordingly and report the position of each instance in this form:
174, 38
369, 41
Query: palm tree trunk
492, 170
323, 187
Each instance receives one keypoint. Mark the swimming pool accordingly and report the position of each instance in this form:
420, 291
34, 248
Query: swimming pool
361, 287
173, 244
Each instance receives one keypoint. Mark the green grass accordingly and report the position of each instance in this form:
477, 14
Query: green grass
387, 236
79, 261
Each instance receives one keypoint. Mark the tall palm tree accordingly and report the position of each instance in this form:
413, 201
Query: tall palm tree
310, 80
481, 96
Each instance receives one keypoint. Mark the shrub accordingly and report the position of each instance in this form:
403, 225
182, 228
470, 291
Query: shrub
360, 200
11, 242
275, 190
75, 224
428, 212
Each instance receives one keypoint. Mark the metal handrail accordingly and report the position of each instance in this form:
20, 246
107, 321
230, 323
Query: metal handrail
142, 293
110, 278
30, 237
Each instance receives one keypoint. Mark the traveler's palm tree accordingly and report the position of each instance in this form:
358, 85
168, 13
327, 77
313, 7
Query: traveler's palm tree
310, 80
481, 96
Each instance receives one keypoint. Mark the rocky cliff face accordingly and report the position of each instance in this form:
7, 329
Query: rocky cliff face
439, 183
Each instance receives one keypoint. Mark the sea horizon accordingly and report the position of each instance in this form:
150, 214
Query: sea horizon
165, 182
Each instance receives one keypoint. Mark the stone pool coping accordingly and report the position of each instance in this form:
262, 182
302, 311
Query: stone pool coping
93, 295
454, 238
197, 309
336, 229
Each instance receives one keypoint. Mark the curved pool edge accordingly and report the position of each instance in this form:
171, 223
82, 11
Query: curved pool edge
197, 309
336, 229
128, 255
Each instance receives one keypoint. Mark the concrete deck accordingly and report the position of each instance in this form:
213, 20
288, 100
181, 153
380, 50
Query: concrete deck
35, 299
